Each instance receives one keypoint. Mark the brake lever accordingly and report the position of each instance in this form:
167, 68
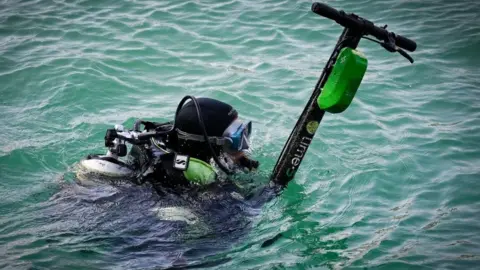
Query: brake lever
405, 54
391, 47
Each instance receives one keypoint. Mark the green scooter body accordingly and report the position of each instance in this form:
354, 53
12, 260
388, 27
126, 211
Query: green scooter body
343, 82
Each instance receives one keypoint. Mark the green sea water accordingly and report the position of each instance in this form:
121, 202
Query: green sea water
391, 183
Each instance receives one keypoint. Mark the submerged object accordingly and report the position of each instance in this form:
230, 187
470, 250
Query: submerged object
176, 213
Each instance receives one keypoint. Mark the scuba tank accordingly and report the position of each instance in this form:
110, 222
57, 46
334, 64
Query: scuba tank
111, 165
108, 165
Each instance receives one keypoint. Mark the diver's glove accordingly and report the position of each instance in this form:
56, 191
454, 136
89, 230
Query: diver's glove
248, 163
147, 171
237, 164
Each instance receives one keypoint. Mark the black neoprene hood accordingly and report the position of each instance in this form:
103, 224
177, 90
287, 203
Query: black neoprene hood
217, 116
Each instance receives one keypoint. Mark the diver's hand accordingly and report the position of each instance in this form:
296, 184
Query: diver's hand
248, 163
242, 160
110, 135
239, 162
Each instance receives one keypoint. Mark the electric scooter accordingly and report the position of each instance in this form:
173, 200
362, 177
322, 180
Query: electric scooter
337, 84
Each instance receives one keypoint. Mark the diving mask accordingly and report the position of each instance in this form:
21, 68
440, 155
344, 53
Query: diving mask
237, 136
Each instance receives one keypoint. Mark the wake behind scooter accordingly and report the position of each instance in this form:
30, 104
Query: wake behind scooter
337, 84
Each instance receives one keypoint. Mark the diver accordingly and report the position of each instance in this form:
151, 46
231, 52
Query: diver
183, 157
179, 154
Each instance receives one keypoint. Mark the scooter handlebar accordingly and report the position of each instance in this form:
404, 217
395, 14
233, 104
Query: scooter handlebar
356, 22
326, 11
405, 43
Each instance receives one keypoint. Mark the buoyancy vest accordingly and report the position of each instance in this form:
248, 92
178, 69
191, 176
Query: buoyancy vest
155, 163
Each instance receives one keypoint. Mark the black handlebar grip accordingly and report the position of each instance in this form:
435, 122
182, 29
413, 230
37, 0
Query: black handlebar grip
350, 21
326, 11
405, 43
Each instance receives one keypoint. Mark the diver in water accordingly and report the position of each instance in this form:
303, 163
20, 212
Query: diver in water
179, 154
183, 157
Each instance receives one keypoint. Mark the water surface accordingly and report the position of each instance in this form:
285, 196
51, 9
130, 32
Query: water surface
390, 183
